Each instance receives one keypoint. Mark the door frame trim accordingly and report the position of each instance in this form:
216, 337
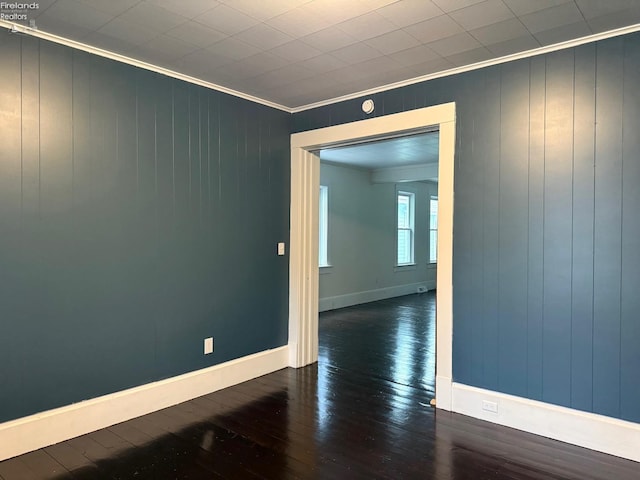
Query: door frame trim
303, 261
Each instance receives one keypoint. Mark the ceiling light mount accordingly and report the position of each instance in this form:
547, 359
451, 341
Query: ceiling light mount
368, 106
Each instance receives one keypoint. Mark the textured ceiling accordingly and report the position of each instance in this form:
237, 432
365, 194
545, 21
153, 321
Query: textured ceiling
396, 152
297, 52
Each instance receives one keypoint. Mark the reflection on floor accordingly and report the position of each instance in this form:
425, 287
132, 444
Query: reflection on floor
362, 412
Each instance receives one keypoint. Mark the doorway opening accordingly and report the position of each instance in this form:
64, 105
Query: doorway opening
305, 187
377, 262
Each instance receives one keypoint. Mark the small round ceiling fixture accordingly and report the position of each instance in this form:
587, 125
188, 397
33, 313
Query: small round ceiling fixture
368, 106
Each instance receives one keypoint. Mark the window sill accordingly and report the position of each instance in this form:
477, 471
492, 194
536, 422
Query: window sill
404, 268
326, 269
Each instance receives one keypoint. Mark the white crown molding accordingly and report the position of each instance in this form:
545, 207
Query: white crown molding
16, 28
475, 66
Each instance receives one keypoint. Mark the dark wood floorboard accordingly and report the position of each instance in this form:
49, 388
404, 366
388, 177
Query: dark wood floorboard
361, 412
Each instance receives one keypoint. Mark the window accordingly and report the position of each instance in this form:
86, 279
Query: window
433, 230
324, 226
406, 208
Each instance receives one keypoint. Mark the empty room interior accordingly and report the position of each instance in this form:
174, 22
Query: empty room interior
320, 239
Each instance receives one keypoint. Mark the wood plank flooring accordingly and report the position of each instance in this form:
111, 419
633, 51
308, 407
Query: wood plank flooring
361, 412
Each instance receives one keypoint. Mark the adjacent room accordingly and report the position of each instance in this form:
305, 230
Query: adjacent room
378, 240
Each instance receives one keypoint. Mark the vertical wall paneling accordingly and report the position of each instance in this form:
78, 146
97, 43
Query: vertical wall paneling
129, 234
630, 275
469, 115
163, 90
56, 162
206, 134
118, 256
11, 127
180, 153
582, 227
535, 220
545, 223
557, 228
464, 244
489, 152
55, 251
228, 209
192, 150
607, 227
11, 191
209, 150
166, 329
81, 142
145, 147
30, 99
251, 183
512, 261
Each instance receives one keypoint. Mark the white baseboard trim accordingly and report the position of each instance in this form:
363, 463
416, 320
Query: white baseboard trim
589, 430
47, 428
357, 298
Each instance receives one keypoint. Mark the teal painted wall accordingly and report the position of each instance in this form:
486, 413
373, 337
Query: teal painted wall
138, 215
546, 228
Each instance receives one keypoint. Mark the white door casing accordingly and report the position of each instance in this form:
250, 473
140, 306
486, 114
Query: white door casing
303, 266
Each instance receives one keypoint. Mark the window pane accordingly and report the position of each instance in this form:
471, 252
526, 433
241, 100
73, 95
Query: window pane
433, 214
433, 246
433, 230
404, 247
403, 211
323, 257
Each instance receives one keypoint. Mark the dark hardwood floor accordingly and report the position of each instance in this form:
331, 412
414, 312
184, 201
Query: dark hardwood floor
361, 412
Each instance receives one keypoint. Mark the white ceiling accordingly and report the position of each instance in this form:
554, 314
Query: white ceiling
396, 152
298, 52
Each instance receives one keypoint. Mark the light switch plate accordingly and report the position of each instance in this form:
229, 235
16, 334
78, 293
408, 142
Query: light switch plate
208, 345
281, 248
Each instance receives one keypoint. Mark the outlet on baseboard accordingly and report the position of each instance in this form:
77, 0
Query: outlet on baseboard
208, 345
489, 406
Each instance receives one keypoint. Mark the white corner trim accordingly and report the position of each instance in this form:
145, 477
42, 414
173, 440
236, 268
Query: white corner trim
47, 428
589, 430
411, 81
304, 276
474, 66
22, 29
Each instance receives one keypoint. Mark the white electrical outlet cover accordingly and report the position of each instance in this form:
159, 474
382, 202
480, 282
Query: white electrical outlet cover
208, 345
490, 406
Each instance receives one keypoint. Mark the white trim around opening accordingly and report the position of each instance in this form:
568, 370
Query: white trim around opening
305, 182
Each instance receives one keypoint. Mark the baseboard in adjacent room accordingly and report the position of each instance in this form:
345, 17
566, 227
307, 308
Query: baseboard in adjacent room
589, 430
357, 298
47, 428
